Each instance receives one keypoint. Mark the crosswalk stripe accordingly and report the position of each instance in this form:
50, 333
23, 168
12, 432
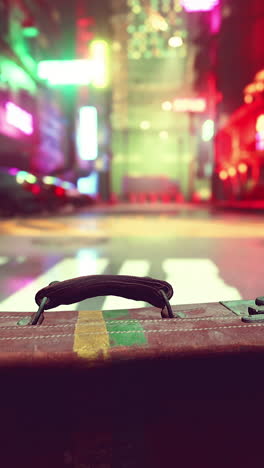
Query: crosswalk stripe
193, 281
4, 260
23, 300
197, 280
129, 267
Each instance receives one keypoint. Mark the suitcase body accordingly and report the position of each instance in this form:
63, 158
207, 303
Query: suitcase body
130, 389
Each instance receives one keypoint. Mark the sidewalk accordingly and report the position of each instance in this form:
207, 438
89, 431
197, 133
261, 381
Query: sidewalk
245, 205
146, 208
256, 206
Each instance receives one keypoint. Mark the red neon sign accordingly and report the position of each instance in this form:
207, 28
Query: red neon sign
199, 5
189, 105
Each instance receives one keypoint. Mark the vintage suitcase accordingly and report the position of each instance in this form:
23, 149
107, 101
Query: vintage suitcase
132, 388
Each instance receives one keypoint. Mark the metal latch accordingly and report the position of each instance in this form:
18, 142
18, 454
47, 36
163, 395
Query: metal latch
255, 314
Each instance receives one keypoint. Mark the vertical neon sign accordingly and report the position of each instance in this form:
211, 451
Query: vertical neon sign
19, 118
87, 139
99, 53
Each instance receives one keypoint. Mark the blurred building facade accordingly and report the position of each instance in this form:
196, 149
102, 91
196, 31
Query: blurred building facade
39, 122
239, 143
156, 73
31, 116
93, 27
240, 54
174, 77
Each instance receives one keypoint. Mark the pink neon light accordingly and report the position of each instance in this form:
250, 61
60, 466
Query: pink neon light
199, 5
260, 141
189, 105
19, 118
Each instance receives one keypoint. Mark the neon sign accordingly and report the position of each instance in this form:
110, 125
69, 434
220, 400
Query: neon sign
99, 53
87, 135
78, 72
19, 118
66, 71
189, 105
199, 5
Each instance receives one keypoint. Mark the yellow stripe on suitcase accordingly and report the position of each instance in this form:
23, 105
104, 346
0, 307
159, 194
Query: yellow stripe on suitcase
91, 336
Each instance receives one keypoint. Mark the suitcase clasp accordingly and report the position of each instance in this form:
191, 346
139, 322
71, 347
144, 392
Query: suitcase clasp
255, 314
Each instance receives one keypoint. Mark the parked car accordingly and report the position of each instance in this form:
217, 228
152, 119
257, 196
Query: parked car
24, 193
15, 197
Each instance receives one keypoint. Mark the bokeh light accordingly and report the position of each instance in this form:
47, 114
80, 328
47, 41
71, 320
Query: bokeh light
164, 135
242, 168
145, 125
166, 105
175, 41
208, 130
232, 171
223, 175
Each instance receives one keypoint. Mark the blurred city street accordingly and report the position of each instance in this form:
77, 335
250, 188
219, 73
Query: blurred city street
206, 255
132, 142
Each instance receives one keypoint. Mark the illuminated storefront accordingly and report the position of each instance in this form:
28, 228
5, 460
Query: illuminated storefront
17, 115
239, 145
25, 34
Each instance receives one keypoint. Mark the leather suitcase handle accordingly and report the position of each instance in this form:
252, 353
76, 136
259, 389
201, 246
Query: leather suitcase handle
155, 292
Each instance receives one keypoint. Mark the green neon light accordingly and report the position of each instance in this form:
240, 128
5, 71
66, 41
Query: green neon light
66, 71
78, 72
30, 32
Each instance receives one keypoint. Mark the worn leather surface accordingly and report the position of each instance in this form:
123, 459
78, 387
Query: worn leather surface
139, 333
